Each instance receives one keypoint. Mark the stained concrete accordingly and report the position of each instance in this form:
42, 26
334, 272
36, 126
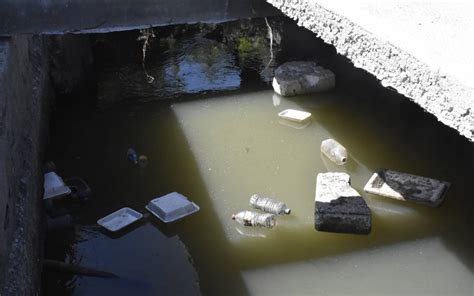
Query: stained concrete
24, 94
422, 50
98, 16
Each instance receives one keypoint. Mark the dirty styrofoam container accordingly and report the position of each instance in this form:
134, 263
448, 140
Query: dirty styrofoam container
408, 187
171, 207
294, 115
119, 219
54, 186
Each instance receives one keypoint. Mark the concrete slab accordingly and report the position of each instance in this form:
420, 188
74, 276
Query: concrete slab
423, 50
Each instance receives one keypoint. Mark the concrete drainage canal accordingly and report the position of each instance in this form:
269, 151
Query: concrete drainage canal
191, 109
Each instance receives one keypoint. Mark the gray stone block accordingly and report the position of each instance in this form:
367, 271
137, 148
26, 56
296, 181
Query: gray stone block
339, 207
407, 187
296, 78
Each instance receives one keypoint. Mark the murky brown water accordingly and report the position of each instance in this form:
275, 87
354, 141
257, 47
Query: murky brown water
220, 150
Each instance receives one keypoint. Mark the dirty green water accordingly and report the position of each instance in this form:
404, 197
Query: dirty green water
218, 151
220, 148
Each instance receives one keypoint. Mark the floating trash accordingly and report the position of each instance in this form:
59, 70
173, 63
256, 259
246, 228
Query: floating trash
402, 186
79, 188
269, 205
294, 115
248, 218
339, 207
119, 219
301, 77
171, 207
143, 161
334, 151
54, 186
132, 155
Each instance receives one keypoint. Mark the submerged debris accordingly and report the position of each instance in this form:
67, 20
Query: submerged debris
63, 267
132, 155
143, 161
248, 218
79, 188
269, 205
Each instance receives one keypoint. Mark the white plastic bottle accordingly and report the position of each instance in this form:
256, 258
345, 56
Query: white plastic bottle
269, 205
334, 151
248, 218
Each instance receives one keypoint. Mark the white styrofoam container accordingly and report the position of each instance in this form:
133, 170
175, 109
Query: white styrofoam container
294, 115
54, 186
119, 219
171, 207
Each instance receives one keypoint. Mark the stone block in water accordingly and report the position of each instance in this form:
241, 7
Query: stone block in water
402, 186
297, 78
339, 207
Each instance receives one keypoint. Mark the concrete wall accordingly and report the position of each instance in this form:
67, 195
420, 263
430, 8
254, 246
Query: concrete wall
60, 16
397, 65
24, 94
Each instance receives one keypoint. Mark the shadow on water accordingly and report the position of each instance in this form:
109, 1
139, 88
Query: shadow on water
94, 142
379, 128
91, 147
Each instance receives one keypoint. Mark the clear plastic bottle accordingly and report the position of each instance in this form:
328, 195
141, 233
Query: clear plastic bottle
143, 161
249, 218
269, 205
334, 151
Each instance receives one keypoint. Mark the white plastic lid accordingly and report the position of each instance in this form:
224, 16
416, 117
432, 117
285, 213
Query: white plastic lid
171, 207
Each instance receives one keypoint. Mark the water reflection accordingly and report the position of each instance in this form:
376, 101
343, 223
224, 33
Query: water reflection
199, 64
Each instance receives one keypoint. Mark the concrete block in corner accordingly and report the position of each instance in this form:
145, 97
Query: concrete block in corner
297, 78
402, 186
339, 207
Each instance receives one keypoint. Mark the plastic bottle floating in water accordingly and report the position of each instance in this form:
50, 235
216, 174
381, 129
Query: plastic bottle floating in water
269, 205
248, 218
334, 151
143, 161
132, 155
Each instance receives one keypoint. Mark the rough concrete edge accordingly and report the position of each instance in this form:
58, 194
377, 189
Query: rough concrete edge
444, 97
26, 63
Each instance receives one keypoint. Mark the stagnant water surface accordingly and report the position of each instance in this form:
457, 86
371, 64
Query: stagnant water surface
221, 149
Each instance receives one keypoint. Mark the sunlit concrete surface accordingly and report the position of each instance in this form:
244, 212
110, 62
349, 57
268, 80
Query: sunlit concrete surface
421, 49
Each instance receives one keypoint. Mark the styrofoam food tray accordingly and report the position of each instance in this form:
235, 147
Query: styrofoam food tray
171, 207
54, 186
294, 115
119, 219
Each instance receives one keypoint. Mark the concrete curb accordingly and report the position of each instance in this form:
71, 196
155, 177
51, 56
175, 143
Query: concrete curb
443, 96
